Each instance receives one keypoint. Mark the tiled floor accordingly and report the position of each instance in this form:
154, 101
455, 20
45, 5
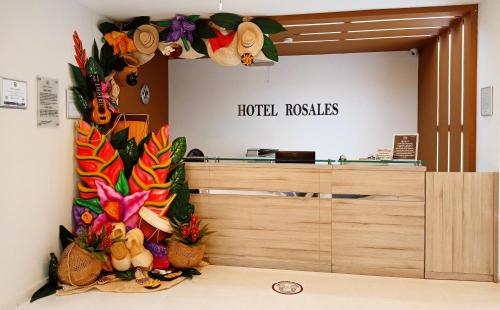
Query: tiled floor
244, 288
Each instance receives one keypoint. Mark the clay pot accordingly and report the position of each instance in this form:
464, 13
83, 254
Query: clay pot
77, 266
182, 256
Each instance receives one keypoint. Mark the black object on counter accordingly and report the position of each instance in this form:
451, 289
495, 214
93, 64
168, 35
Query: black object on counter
296, 157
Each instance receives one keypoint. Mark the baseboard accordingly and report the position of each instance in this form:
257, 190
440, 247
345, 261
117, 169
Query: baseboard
22, 297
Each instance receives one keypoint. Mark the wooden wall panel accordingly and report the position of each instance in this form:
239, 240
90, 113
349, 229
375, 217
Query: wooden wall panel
427, 104
443, 102
378, 237
461, 226
470, 90
155, 74
456, 97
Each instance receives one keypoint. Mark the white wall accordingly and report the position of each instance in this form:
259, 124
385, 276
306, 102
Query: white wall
376, 92
488, 69
37, 169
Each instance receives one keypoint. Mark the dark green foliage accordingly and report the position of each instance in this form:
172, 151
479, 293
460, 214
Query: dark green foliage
65, 236
92, 204
189, 273
51, 286
129, 156
95, 51
199, 46
178, 149
80, 81
269, 49
107, 27
164, 23
268, 25
82, 104
125, 275
109, 61
136, 22
119, 139
177, 176
203, 30
94, 68
229, 21
180, 208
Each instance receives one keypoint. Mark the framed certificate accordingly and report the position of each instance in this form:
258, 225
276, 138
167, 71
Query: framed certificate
13, 94
405, 146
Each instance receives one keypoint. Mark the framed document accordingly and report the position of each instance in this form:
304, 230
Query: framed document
48, 102
405, 146
13, 94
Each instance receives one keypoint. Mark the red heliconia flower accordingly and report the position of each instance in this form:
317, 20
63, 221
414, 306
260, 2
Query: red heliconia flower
185, 231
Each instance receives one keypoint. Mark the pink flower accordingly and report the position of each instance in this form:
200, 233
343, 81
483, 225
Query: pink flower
118, 208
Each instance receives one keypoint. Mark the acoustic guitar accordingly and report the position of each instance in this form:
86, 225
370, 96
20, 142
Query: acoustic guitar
100, 112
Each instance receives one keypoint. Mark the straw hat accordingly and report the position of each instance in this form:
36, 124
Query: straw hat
250, 39
166, 48
146, 39
226, 56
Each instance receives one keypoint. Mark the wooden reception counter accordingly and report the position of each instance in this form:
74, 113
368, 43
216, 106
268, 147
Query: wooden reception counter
359, 219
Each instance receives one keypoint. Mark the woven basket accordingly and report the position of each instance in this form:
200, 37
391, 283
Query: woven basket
183, 256
77, 266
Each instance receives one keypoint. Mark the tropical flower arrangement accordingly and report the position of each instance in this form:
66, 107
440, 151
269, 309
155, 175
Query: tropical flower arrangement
190, 233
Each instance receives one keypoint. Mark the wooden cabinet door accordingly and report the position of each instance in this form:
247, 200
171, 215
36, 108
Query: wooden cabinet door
372, 237
461, 226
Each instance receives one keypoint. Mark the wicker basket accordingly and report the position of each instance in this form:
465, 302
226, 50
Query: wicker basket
183, 256
77, 266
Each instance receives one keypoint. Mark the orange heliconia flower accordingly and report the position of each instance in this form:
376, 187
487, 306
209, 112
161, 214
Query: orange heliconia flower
120, 42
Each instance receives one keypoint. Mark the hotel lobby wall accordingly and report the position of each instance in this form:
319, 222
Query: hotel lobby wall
36, 177
376, 93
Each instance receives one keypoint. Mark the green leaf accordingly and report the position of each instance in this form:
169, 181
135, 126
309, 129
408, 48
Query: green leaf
178, 177
125, 275
199, 46
229, 21
107, 27
178, 149
268, 25
65, 236
119, 139
193, 18
203, 29
80, 81
46, 290
164, 23
130, 156
53, 269
144, 141
269, 49
132, 150
136, 22
180, 208
94, 68
92, 204
189, 273
82, 104
185, 43
121, 185
95, 51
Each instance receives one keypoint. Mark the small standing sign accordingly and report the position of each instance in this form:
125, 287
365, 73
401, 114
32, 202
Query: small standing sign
48, 102
405, 146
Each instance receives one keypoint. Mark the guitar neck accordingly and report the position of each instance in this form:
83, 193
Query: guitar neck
98, 90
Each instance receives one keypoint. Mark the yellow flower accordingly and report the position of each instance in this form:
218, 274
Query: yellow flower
120, 42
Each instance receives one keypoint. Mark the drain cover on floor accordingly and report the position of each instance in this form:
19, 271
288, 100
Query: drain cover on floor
287, 287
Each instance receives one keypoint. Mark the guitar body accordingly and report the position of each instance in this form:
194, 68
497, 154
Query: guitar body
100, 112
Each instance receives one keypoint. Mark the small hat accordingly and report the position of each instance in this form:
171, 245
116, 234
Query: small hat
250, 39
226, 55
146, 39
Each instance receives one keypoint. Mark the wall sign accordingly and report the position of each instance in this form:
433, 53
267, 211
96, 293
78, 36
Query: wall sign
405, 146
71, 110
305, 109
487, 101
48, 103
13, 94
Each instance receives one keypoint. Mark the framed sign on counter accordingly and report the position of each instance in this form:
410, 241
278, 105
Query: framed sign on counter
13, 93
405, 146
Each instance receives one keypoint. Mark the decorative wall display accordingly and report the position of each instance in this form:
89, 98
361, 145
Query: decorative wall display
487, 101
13, 94
71, 109
48, 102
405, 146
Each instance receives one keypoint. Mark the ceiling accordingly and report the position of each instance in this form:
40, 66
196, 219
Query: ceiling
163, 9
317, 26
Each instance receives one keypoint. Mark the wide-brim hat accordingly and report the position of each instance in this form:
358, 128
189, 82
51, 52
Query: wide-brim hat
250, 39
185, 54
146, 39
142, 58
226, 56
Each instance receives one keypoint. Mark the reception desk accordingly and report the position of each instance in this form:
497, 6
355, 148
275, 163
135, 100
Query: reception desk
357, 219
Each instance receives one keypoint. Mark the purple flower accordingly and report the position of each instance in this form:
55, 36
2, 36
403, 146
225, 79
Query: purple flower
181, 27
158, 250
82, 217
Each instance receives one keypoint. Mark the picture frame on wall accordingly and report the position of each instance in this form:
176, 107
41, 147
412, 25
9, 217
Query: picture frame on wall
13, 94
405, 146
